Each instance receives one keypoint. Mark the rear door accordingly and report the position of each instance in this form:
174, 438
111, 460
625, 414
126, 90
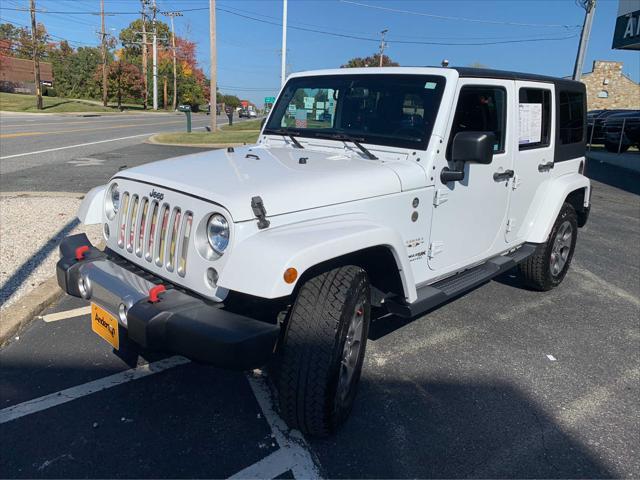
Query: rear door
533, 153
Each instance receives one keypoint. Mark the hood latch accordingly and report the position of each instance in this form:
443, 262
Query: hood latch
260, 212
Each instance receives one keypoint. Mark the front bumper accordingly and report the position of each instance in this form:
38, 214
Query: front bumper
178, 322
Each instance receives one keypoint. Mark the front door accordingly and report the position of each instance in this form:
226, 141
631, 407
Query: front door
469, 217
533, 162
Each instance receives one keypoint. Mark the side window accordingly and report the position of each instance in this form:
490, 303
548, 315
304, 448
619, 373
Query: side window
534, 110
481, 109
571, 118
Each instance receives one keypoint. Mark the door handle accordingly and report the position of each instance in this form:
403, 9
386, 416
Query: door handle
545, 167
506, 175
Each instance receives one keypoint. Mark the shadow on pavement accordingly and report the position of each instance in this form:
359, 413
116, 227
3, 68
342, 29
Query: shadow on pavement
435, 428
15, 281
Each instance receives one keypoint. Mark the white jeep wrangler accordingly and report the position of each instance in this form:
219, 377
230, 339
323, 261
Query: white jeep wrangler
393, 189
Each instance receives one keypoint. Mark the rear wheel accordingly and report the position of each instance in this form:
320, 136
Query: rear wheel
318, 368
547, 267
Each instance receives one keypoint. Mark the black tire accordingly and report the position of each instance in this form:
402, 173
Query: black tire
309, 365
537, 271
613, 147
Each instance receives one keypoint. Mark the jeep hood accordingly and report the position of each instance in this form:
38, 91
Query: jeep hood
278, 175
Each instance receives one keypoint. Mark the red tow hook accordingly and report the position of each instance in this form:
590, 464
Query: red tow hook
154, 292
80, 251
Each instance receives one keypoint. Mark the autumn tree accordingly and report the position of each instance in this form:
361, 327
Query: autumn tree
371, 61
125, 81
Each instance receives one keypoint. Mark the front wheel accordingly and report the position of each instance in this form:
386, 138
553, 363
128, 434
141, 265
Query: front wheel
547, 267
318, 368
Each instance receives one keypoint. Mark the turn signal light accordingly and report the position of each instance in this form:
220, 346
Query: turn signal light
290, 275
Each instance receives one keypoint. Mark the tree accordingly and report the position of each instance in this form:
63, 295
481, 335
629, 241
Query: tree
371, 61
72, 70
229, 100
24, 42
131, 38
125, 81
8, 38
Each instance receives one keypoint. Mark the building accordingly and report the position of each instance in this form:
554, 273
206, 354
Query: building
17, 75
608, 87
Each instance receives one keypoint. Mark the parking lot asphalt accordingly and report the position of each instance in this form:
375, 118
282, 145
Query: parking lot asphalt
503, 382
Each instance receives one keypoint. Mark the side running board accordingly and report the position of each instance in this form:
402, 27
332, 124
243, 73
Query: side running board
431, 296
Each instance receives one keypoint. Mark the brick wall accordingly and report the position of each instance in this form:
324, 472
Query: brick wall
608, 88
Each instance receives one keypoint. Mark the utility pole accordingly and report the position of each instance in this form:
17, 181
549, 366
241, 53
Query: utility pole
382, 44
590, 10
36, 56
145, 96
175, 68
283, 66
155, 58
214, 66
103, 33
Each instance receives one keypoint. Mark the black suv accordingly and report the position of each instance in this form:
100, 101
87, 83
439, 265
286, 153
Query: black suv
622, 130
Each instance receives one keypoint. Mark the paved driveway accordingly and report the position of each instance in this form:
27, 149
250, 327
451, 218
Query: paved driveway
503, 382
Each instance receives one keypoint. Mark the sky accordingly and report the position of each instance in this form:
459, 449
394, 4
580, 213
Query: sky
249, 34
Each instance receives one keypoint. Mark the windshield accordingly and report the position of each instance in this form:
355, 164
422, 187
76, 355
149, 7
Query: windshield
386, 109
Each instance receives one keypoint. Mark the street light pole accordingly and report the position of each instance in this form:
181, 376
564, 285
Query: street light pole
382, 44
36, 56
283, 66
590, 10
155, 58
214, 66
175, 68
103, 34
145, 96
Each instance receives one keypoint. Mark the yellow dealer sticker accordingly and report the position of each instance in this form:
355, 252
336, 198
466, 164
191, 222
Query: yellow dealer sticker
105, 325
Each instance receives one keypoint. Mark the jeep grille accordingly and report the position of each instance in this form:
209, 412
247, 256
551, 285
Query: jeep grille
155, 231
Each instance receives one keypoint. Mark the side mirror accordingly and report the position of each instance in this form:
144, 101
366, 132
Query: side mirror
473, 147
468, 147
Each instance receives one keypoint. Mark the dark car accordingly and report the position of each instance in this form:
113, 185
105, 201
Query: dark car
595, 124
621, 131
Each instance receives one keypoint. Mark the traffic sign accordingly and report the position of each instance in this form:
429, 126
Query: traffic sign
270, 100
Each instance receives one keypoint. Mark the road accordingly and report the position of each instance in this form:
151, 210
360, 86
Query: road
70, 152
503, 382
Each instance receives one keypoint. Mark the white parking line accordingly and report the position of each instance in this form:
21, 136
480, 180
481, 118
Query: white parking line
58, 398
76, 312
295, 455
292, 455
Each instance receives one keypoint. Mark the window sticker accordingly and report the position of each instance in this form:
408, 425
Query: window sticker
430, 85
308, 103
530, 117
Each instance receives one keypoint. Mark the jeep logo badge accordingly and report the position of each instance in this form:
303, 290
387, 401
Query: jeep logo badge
157, 195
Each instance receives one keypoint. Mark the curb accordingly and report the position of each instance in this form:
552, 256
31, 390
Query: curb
25, 309
153, 141
21, 313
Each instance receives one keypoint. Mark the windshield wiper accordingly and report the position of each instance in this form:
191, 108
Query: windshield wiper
349, 138
286, 133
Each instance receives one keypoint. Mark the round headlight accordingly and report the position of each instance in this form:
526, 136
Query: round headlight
112, 203
218, 233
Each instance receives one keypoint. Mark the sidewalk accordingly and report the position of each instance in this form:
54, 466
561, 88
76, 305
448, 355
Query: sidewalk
33, 224
628, 160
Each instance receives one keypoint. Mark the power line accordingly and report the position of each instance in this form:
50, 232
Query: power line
352, 36
407, 42
458, 19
